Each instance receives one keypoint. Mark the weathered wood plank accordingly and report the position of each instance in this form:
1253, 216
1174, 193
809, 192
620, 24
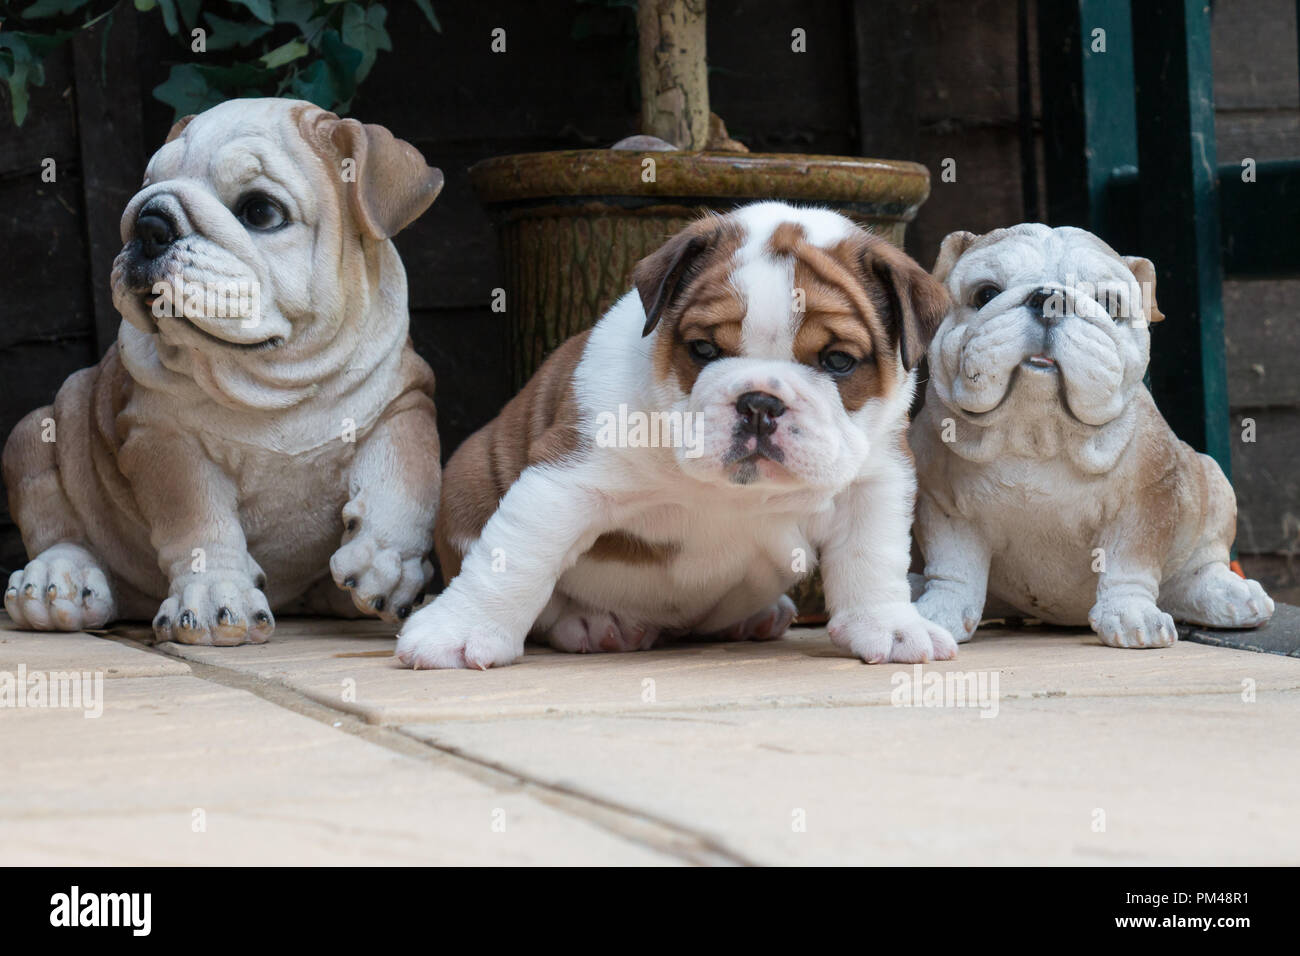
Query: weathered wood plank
1266, 480
884, 60
1261, 135
1261, 324
50, 129
1255, 54
112, 156
46, 286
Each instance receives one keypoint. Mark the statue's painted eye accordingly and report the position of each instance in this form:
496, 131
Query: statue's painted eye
702, 350
261, 213
984, 295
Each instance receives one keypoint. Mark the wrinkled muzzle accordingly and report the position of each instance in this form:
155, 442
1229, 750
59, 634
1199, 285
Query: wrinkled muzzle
769, 423
189, 271
1040, 349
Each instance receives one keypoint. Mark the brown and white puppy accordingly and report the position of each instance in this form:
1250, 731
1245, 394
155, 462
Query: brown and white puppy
1049, 480
262, 423
677, 468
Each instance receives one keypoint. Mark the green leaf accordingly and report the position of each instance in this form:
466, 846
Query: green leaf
53, 8
316, 85
427, 9
260, 9
343, 62
144, 6
169, 16
232, 33
186, 91
21, 69
301, 13
363, 30
285, 53
189, 12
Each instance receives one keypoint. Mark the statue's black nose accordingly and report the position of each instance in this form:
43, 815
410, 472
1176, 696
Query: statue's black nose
759, 412
155, 233
1046, 304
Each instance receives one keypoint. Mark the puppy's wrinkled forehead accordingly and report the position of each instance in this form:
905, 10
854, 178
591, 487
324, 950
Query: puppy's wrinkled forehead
773, 282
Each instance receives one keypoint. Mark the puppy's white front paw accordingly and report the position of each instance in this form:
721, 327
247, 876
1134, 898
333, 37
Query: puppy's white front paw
891, 632
1128, 621
953, 612
447, 633
214, 608
384, 575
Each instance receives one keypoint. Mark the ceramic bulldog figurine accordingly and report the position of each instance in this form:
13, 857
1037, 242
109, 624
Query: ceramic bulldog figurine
1048, 479
779, 343
262, 436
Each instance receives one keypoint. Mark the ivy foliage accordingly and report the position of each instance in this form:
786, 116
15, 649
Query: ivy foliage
317, 50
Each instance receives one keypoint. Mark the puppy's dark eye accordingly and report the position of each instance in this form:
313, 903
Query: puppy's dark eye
984, 295
838, 363
261, 213
702, 350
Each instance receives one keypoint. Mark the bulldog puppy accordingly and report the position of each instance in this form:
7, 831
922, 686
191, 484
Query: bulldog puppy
1048, 479
262, 424
680, 466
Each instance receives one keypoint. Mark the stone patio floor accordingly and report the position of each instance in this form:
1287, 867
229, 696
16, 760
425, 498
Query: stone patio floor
317, 749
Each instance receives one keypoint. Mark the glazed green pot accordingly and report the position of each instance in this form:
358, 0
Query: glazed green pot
573, 224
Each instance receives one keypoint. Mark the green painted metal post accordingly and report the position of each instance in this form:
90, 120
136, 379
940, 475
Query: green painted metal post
1085, 55
1178, 203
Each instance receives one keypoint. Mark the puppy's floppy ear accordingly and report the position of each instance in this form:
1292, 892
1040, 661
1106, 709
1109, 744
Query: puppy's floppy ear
178, 127
661, 276
950, 250
1144, 271
389, 185
917, 302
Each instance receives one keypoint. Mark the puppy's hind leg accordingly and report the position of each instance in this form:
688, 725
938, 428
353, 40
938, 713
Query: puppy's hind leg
568, 625
766, 624
1213, 596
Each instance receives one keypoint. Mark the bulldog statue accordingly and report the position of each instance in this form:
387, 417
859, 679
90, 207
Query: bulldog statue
262, 435
1048, 478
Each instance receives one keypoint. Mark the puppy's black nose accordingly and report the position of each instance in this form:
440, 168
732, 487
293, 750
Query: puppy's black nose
155, 233
759, 412
1046, 304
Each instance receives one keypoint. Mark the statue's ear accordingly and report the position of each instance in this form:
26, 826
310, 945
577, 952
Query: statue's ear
387, 182
1144, 271
391, 185
179, 127
950, 250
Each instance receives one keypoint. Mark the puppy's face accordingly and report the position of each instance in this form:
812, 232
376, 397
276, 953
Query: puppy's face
251, 217
788, 336
1044, 322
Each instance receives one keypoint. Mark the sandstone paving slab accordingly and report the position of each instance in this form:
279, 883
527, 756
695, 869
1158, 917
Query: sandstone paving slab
44, 651
269, 786
355, 672
1191, 779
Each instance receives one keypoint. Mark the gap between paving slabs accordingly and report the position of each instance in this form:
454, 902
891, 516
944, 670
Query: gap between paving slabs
639, 826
